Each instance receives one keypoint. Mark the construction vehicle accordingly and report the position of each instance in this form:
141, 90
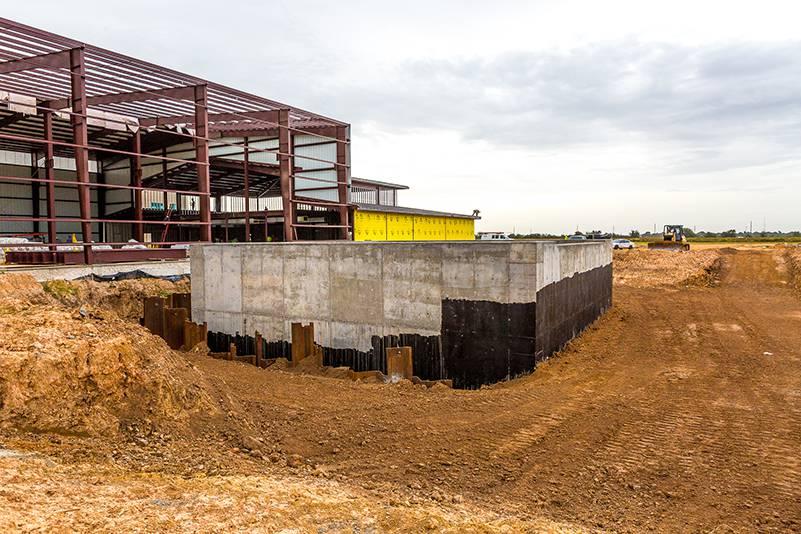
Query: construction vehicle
673, 238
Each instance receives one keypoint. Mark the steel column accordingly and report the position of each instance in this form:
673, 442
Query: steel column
247, 190
202, 158
343, 180
49, 165
35, 193
164, 198
136, 181
101, 205
285, 166
80, 135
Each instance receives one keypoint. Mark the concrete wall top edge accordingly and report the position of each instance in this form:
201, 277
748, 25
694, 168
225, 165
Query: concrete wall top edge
477, 242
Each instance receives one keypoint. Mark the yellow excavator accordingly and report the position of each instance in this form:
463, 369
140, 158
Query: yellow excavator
673, 238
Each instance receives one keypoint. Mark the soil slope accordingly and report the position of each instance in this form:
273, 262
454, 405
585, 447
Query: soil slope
83, 370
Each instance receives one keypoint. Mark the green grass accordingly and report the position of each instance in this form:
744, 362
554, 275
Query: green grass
61, 289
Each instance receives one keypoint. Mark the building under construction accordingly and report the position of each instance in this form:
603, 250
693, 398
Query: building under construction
98, 149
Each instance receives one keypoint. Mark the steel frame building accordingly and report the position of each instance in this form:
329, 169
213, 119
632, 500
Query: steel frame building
109, 148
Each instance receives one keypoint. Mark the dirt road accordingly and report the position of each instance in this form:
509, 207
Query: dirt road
680, 410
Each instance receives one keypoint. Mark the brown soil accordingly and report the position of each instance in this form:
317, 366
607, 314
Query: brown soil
653, 268
792, 259
123, 297
93, 498
84, 370
679, 410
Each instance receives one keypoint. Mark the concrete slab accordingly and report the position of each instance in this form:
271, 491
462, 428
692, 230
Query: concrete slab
45, 273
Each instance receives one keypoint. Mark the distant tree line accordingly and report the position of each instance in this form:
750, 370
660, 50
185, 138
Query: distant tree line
729, 234
636, 234
594, 234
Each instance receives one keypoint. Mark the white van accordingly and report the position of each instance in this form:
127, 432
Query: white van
494, 236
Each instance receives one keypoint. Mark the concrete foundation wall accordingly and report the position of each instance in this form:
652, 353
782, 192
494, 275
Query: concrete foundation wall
355, 292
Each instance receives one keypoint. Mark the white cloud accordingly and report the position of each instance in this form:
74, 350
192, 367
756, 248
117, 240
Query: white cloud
545, 115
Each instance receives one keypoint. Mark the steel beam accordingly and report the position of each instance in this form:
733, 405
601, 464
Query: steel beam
343, 180
202, 158
55, 60
80, 136
268, 118
176, 93
286, 165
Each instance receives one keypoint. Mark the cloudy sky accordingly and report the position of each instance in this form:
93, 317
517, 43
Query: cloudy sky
546, 115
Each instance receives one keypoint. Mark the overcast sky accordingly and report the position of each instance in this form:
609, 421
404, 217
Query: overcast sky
546, 115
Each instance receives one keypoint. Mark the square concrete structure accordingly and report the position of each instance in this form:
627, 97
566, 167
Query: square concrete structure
476, 311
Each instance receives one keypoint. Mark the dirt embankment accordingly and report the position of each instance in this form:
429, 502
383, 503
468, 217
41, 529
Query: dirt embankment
660, 268
792, 259
84, 370
123, 297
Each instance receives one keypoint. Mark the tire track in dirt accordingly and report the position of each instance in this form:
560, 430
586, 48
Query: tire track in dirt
665, 414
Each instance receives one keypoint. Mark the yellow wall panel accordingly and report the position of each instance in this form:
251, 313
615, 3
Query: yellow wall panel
400, 227
439, 228
459, 229
373, 226
422, 229
369, 226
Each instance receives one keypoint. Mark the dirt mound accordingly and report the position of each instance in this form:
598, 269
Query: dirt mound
654, 268
123, 297
19, 291
83, 370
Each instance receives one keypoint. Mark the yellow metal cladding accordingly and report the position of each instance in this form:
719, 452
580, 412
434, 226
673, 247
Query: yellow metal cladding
460, 229
369, 226
399, 227
375, 226
429, 229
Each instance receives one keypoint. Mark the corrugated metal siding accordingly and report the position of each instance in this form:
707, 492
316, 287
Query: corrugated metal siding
15, 197
316, 174
238, 153
15, 158
363, 196
327, 152
20, 201
118, 199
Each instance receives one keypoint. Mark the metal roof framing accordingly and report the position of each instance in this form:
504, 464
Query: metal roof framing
68, 98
